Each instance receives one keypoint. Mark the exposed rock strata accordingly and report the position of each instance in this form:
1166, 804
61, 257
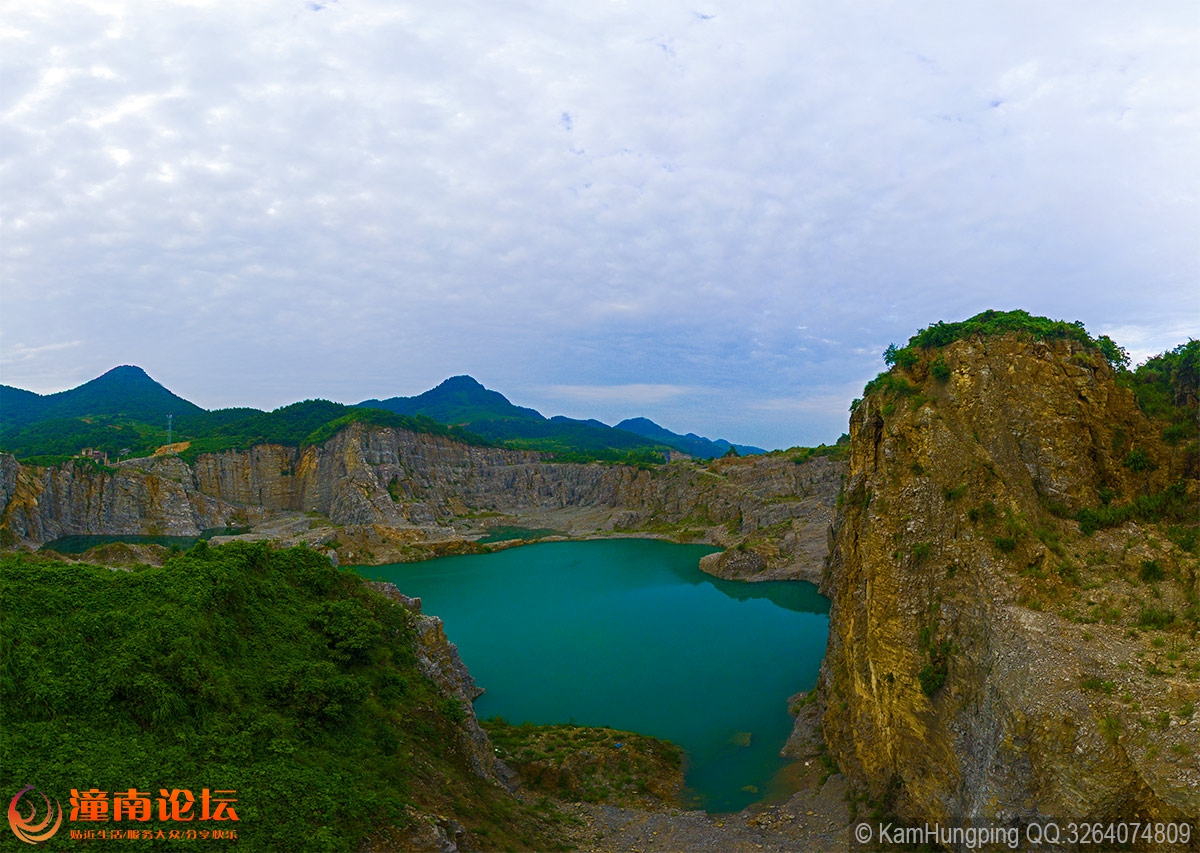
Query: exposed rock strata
397, 489
958, 680
156, 496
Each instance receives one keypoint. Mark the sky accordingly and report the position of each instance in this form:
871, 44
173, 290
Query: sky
713, 214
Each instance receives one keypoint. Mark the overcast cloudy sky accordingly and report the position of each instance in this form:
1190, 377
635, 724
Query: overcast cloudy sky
714, 214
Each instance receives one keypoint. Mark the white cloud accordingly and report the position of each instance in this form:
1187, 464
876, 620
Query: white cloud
266, 197
23, 352
636, 394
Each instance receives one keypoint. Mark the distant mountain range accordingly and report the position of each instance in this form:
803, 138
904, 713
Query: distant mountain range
125, 412
691, 444
462, 401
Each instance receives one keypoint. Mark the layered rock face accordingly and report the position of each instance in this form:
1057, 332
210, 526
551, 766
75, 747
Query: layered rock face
398, 480
155, 497
986, 661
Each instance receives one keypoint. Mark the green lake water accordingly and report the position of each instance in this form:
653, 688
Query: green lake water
630, 634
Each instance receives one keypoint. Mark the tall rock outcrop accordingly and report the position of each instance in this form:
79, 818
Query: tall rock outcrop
987, 662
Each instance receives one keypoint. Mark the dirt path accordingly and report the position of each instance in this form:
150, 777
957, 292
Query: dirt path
814, 819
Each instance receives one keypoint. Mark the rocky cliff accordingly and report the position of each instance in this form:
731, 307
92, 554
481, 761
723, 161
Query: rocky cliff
438, 660
153, 496
391, 488
988, 661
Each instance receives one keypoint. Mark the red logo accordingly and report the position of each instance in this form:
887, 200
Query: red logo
24, 827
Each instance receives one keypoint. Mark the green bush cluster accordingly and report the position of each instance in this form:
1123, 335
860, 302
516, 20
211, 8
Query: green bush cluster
1151, 571
1169, 381
1155, 618
933, 675
954, 493
1139, 460
889, 384
838, 451
1171, 504
1167, 388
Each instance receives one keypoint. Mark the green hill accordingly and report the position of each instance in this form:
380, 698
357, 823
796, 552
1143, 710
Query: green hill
268, 674
124, 392
458, 400
122, 410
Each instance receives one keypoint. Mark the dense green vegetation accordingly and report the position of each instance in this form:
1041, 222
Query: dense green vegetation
572, 441
1167, 388
269, 673
306, 423
297, 425
48, 442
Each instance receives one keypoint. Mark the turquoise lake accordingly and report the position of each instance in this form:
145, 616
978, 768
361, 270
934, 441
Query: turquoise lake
630, 634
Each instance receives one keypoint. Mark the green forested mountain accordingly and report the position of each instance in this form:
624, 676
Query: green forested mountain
19, 406
458, 400
123, 392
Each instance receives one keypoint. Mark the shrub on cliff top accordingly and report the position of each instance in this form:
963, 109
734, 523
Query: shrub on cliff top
991, 323
998, 323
